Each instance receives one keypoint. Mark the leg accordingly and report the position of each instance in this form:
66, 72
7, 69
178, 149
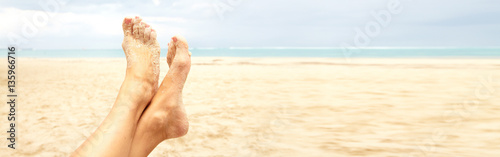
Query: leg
165, 117
114, 136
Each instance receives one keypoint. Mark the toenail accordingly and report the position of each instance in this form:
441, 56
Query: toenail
128, 20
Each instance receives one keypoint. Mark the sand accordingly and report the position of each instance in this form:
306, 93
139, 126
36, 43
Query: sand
276, 106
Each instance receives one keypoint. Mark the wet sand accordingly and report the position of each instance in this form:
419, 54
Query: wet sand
276, 106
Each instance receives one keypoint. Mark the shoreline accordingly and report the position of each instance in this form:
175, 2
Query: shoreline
300, 60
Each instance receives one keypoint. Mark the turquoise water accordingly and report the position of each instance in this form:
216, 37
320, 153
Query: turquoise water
286, 52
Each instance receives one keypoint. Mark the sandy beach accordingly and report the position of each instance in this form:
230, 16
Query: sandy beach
276, 106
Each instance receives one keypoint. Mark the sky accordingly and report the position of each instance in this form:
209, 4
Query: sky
96, 24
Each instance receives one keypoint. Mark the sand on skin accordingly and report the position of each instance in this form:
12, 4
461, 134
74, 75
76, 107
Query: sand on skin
275, 106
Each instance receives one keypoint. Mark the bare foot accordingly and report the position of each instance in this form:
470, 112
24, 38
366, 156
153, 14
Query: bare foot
143, 54
117, 130
165, 117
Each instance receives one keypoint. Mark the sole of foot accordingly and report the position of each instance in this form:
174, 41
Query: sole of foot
142, 51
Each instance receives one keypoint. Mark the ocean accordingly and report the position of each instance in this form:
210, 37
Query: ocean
286, 52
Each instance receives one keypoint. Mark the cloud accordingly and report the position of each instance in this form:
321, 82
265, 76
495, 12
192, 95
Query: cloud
258, 23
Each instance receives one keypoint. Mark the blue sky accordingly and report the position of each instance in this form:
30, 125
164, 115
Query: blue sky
96, 24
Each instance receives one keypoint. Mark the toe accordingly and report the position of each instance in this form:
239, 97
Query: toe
180, 42
152, 36
171, 52
127, 26
141, 31
147, 33
136, 23
182, 58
